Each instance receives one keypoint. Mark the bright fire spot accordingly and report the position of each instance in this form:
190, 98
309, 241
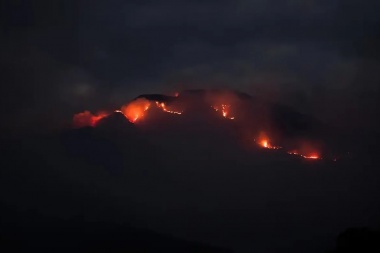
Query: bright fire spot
165, 109
264, 142
86, 118
136, 109
225, 109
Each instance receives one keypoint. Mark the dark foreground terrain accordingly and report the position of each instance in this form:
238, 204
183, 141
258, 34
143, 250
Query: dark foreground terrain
89, 189
26, 231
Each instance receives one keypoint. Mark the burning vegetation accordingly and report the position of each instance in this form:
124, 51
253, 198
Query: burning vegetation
136, 109
86, 118
133, 111
140, 108
264, 142
313, 156
162, 106
224, 109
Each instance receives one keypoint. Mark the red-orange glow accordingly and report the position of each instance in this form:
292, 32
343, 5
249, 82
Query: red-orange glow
225, 109
136, 109
264, 142
165, 109
176, 94
86, 118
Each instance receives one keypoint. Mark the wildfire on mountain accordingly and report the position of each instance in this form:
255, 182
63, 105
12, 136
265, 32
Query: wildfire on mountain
139, 109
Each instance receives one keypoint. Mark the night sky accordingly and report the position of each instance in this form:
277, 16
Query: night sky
61, 57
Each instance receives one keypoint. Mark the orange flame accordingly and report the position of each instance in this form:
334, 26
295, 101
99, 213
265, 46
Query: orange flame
165, 109
265, 143
136, 109
86, 118
225, 109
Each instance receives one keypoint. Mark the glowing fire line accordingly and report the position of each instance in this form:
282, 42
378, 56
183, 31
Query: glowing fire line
165, 109
311, 156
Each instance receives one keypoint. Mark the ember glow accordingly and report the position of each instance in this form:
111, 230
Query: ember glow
225, 109
86, 118
312, 156
136, 109
165, 109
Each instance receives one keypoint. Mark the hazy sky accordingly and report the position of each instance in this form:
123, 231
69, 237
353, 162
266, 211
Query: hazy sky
60, 57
